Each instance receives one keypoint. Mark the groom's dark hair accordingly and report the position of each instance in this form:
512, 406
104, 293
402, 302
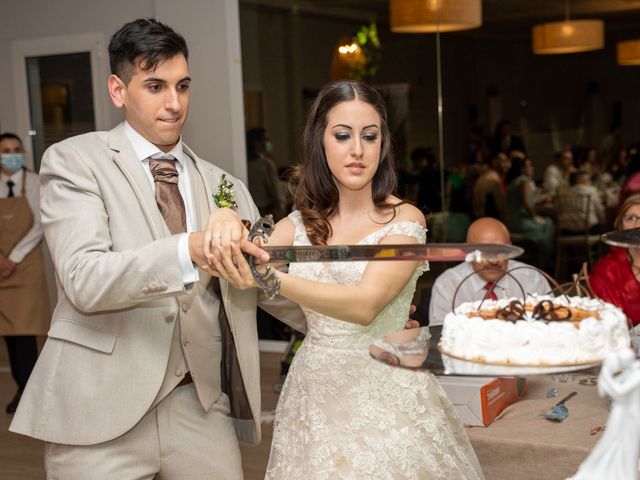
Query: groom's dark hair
143, 43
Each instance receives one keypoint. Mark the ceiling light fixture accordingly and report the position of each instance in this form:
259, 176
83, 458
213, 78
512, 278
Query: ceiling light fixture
568, 36
428, 16
629, 52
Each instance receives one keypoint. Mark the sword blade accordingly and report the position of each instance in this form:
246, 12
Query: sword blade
434, 252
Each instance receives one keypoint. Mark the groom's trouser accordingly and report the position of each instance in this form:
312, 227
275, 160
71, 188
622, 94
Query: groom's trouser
176, 440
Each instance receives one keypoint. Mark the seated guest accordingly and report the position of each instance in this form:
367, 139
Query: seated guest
489, 190
476, 166
556, 175
589, 161
632, 182
616, 277
573, 221
522, 198
489, 274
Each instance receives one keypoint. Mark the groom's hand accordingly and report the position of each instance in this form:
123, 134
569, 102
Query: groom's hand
224, 229
224, 245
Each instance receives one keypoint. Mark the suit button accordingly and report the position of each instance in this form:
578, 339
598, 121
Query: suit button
178, 372
169, 317
145, 290
185, 342
163, 287
185, 307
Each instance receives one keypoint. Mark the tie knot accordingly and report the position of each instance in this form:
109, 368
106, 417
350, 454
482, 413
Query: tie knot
163, 168
10, 185
490, 288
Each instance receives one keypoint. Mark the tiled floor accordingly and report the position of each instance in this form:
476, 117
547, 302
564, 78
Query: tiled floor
21, 457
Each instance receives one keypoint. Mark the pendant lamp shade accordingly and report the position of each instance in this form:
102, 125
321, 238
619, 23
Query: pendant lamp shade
427, 16
569, 36
629, 52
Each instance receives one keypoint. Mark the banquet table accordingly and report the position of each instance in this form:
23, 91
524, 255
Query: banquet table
522, 444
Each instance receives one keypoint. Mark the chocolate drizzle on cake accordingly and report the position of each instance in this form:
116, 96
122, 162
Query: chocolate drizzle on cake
545, 311
512, 312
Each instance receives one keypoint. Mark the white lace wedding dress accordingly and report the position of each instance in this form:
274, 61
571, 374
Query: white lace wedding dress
343, 415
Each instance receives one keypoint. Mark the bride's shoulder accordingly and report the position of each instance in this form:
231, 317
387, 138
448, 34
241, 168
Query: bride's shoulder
283, 233
405, 212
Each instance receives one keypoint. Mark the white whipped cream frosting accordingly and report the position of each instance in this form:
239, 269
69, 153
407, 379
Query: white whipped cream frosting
535, 342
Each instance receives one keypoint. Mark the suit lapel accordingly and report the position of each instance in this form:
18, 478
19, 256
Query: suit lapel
201, 206
125, 157
206, 172
207, 175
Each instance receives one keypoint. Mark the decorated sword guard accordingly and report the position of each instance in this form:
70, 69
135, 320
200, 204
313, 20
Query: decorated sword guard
269, 281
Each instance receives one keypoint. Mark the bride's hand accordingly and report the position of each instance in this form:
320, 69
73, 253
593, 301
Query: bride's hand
411, 323
231, 265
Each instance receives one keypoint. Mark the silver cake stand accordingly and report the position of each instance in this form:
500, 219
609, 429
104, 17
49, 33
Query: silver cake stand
622, 238
417, 349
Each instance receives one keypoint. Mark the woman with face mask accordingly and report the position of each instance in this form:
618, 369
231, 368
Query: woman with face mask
24, 303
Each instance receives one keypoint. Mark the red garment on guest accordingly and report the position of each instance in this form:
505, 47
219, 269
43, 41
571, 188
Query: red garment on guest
631, 186
613, 281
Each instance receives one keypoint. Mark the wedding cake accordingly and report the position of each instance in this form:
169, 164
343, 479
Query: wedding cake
545, 331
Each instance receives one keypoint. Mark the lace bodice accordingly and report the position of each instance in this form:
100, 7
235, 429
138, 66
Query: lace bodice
341, 334
343, 415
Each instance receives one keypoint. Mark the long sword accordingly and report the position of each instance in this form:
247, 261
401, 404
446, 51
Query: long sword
434, 252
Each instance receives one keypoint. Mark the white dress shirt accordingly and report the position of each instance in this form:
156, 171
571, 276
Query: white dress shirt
473, 289
32, 187
145, 149
575, 220
553, 179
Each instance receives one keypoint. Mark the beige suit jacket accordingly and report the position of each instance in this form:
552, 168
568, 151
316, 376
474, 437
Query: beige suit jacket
120, 286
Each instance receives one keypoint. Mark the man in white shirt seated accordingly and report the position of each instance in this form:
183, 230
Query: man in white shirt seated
556, 175
572, 220
488, 275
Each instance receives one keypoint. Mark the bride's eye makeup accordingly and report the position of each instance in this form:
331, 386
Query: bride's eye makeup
342, 136
370, 137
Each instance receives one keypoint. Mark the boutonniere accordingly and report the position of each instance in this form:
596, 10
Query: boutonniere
226, 197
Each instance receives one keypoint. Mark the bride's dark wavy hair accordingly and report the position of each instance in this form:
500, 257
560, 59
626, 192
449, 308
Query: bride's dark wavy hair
316, 194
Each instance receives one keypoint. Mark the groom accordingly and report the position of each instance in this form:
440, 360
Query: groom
151, 365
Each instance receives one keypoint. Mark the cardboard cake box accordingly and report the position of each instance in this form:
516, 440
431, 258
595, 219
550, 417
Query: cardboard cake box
479, 400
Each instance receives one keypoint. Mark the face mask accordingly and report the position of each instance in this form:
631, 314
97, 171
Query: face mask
268, 148
12, 161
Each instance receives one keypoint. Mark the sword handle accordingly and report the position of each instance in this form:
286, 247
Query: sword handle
269, 281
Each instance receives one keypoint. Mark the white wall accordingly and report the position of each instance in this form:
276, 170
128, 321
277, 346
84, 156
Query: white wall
215, 127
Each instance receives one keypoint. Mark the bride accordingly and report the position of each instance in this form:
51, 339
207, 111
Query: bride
342, 414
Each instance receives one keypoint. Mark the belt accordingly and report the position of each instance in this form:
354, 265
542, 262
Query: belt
186, 380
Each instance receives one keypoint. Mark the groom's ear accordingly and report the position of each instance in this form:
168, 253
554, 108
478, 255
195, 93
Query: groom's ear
117, 90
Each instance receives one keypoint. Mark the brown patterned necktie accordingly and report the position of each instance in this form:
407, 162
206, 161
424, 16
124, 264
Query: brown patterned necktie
170, 203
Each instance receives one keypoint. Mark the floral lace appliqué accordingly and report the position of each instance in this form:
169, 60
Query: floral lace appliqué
342, 415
